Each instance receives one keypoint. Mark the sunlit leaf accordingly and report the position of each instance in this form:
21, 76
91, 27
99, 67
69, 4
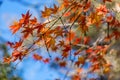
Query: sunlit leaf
46, 13
37, 57
15, 27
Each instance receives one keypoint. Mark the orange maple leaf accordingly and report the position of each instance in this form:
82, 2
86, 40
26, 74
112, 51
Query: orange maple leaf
47, 60
18, 44
65, 55
33, 21
95, 67
90, 50
102, 10
6, 60
27, 31
39, 27
37, 57
15, 27
61, 43
25, 18
81, 60
16, 55
46, 13
54, 10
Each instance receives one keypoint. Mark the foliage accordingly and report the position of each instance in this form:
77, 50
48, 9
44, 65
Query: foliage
6, 71
67, 28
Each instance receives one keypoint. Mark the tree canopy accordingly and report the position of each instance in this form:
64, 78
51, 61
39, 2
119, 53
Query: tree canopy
74, 33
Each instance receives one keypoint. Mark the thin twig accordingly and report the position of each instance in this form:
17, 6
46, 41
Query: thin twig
58, 18
46, 47
70, 34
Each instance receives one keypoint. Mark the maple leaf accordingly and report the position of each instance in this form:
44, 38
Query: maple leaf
27, 31
16, 55
57, 59
7, 60
25, 18
54, 48
64, 55
77, 41
70, 36
50, 42
94, 18
18, 44
66, 48
37, 57
66, 3
95, 67
102, 10
62, 63
61, 43
106, 70
81, 60
55, 9
46, 13
94, 59
39, 27
33, 21
18, 25
47, 60
90, 50
58, 31
15, 27
86, 39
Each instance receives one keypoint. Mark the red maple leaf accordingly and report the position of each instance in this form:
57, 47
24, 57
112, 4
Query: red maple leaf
37, 57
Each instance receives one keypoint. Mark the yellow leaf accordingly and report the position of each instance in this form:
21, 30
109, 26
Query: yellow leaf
46, 13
